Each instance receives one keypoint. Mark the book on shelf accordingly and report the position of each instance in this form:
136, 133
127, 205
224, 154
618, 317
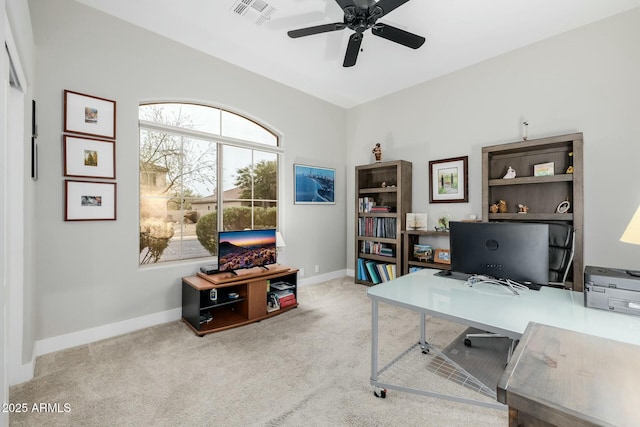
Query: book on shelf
376, 248
383, 273
286, 298
377, 227
375, 272
288, 303
281, 286
381, 209
365, 204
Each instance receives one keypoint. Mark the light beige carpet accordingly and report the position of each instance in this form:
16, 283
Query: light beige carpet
310, 366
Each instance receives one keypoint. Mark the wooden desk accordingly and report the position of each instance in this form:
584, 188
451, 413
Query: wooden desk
558, 377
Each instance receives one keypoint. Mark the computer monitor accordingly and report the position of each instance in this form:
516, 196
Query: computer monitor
506, 250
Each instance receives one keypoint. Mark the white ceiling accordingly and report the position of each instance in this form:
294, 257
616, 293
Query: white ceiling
459, 33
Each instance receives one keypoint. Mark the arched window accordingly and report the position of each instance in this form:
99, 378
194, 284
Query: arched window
202, 169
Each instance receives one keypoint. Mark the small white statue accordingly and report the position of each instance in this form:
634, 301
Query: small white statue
511, 173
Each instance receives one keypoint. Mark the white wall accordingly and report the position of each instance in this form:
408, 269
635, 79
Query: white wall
586, 80
87, 272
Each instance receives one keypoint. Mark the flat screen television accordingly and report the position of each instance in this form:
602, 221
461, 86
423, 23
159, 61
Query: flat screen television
505, 250
238, 250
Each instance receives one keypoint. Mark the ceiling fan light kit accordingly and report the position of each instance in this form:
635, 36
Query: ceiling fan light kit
359, 16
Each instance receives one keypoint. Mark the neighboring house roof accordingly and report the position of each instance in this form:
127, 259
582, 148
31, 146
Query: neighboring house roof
153, 167
231, 194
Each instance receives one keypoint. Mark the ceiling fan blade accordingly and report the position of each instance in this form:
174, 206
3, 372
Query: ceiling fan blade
325, 28
383, 7
345, 3
397, 35
352, 50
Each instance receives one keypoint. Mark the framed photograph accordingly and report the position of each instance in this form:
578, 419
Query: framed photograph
314, 185
442, 256
89, 201
423, 253
89, 157
543, 169
448, 180
89, 115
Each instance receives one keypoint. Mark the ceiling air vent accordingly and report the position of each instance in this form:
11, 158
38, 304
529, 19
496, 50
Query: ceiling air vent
257, 10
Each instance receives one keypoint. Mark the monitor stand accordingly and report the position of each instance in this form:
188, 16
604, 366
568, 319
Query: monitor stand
453, 275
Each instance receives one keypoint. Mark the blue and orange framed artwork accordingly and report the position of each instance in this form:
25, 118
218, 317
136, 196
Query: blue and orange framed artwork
314, 185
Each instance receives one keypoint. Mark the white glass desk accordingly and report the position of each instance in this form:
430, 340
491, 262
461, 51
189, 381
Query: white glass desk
495, 309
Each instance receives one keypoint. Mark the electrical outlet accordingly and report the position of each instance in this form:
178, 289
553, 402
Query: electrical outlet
301, 272
317, 269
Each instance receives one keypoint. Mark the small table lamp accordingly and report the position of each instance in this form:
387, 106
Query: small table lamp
632, 235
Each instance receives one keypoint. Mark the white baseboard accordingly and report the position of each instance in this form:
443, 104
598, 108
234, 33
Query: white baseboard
22, 373
73, 339
321, 277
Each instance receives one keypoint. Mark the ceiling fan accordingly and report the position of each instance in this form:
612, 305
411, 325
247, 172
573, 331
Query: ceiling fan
359, 16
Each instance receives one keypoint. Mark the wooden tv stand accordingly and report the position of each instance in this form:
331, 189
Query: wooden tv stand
204, 315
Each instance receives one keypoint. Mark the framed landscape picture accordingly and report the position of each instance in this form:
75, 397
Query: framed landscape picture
89, 115
448, 181
90, 201
314, 185
89, 157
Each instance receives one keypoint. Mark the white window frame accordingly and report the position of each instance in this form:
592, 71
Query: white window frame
221, 142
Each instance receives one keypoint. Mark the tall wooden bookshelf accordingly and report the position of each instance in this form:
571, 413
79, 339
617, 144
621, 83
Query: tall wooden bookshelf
542, 194
383, 199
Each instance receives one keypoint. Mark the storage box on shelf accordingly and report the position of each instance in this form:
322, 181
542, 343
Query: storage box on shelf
383, 198
542, 195
215, 302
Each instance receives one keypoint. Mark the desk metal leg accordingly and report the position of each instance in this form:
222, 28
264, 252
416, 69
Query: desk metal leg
424, 345
377, 391
374, 340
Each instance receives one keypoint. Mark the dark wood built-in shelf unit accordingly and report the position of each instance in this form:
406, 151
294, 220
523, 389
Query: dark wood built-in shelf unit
251, 285
412, 237
542, 194
388, 184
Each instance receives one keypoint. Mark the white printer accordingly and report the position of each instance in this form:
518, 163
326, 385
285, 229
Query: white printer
612, 289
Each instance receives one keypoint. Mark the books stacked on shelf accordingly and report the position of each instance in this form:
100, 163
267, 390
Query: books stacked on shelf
381, 209
279, 299
365, 204
368, 204
376, 248
377, 227
281, 286
375, 272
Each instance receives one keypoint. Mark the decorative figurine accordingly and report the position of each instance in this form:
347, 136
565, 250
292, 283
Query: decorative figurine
384, 184
523, 209
378, 152
493, 208
502, 206
570, 168
563, 207
511, 173
443, 223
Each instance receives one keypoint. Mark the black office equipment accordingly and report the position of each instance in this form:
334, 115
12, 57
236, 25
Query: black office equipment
507, 250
